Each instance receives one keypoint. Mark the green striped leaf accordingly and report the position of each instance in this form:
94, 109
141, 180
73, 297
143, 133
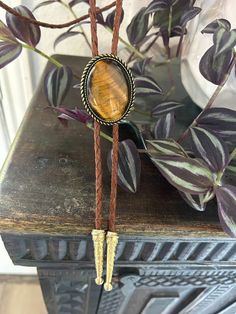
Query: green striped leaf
166, 147
145, 85
226, 200
214, 68
215, 25
138, 27
56, 85
210, 148
6, 34
224, 40
187, 175
26, 32
197, 202
165, 108
129, 166
220, 121
164, 127
9, 52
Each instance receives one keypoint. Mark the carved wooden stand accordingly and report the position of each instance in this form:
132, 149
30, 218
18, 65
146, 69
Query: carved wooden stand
170, 258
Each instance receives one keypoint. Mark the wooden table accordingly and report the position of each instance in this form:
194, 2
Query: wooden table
170, 258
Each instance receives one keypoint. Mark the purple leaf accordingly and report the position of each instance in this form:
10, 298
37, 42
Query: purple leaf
64, 36
139, 67
157, 5
145, 85
215, 25
6, 34
9, 52
210, 148
189, 15
138, 27
221, 121
129, 166
165, 108
226, 200
73, 114
186, 174
178, 31
45, 3
164, 127
195, 201
224, 40
56, 85
214, 68
26, 32
111, 17
166, 147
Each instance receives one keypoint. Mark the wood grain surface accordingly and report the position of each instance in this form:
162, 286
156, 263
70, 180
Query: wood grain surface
47, 182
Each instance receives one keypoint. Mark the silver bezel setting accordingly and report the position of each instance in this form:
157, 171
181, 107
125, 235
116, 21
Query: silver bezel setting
84, 82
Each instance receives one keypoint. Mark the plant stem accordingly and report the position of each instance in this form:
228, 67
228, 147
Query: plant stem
232, 155
128, 46
104, 135
49, 58
211, 100
170, 20
178, 52
80, 26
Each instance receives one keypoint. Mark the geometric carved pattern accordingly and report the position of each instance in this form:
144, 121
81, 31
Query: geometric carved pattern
138, 250
70, 297
110, 301
196, 278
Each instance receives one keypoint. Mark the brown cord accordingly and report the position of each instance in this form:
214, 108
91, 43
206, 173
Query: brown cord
97, 139
48, 25
115, 130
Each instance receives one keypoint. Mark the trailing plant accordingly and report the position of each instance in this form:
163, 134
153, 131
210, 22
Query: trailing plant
197, 160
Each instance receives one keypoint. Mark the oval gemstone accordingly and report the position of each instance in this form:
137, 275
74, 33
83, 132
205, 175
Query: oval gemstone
108, 92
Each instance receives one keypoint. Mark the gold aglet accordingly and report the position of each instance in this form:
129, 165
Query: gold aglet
98, 243
112, 241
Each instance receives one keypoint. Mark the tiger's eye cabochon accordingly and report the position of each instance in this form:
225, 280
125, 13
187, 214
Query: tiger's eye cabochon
107, 89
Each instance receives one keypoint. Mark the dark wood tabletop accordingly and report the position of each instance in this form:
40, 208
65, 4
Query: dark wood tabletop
47, 182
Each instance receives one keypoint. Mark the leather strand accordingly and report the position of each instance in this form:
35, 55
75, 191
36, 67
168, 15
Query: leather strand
115, 129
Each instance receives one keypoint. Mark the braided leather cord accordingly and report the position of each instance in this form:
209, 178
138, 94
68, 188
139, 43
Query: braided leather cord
97, 139
115, 130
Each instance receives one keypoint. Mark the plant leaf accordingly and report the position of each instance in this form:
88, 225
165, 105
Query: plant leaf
215, 25
226, 200
6, 34
111, 17
195, 201
167, 147
210, 148
186, 174
45, 3
9, 52
56, 85
164, 127
156, 5
224, 40
129, 166
138, 27
145, 85
26, 32
189, 15
165, 108
73, 114
214, 68
221, 121
139, 67
64, 36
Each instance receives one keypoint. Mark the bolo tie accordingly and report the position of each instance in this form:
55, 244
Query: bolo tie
107, 92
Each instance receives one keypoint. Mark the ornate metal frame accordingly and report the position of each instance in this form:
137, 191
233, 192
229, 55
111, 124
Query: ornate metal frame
84, 81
